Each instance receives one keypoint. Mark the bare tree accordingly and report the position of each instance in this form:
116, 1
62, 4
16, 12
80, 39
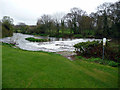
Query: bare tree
74, 18
45, 23
44, 19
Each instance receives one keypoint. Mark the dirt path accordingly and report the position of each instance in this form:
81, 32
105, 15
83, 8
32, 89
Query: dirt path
69, 55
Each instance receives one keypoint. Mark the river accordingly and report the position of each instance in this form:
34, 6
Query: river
63, 46
54, 45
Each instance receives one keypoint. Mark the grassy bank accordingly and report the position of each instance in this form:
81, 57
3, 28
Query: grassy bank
27, 69
36, 40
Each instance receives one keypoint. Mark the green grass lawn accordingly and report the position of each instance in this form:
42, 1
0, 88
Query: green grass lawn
27, 69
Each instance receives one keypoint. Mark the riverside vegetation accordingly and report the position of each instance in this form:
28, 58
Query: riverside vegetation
36, 40
95, 49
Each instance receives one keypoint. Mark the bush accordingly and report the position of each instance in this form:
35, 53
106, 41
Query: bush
95, 49
36, 40
88, 48
100, 61
113, 64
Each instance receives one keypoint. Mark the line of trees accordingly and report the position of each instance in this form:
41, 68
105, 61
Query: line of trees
103, 23
107, 20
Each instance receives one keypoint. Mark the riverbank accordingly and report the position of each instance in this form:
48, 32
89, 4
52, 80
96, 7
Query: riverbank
28, 69
67, 35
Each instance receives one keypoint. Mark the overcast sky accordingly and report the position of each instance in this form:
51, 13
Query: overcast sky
28, 11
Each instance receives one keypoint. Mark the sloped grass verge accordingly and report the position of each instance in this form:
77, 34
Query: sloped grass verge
28, 69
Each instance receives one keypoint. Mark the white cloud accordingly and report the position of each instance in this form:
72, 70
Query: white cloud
29, 10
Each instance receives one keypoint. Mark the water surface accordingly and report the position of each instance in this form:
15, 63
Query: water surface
54, 45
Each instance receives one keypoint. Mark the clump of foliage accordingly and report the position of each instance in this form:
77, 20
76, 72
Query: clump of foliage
87, 48
36, 40
95, 49
7, 26
100, 61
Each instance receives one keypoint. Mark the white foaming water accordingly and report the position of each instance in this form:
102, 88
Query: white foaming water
52, 46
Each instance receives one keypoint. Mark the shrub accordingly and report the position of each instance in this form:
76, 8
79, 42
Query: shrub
95, 49
87, 48
100, 61
113, 64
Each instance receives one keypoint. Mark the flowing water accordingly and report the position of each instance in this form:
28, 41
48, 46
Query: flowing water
54, 45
